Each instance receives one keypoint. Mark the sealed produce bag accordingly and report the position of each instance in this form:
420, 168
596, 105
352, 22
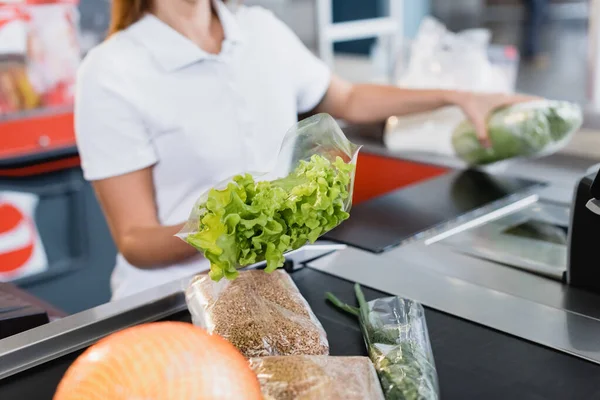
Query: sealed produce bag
261, 314
440, 59
521, 130
317, 377
256, 217
397, 340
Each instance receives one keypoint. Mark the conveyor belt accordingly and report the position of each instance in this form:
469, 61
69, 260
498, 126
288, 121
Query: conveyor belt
473, 362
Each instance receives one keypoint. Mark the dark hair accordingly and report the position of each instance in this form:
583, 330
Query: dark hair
125, 13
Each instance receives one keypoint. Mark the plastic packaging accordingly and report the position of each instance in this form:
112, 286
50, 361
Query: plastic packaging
441, 59
255, 217
397, 340
261, 314
523, 130
317, 377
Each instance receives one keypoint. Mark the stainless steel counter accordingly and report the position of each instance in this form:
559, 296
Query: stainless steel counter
524, 301
430, 269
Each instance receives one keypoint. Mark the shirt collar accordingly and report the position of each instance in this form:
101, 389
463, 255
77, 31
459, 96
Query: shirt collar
171, 49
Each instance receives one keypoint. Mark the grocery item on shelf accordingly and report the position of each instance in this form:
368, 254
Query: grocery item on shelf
251, 218
160, 360
39, 54
261, 314
317, 378
16, 90
397, 340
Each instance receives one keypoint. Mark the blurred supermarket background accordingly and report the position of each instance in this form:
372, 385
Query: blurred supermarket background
563, 37
66, 255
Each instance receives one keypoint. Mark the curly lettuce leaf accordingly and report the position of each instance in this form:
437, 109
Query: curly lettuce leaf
249, 222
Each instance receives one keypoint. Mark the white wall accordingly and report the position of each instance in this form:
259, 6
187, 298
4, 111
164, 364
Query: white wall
299, 15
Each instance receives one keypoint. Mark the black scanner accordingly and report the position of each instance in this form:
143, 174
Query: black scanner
583, 269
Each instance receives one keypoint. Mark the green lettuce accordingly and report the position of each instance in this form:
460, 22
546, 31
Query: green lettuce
249, 221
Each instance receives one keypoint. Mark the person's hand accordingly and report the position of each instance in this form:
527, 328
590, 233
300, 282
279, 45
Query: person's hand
478, 107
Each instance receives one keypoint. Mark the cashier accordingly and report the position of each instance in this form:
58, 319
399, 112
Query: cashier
185, 93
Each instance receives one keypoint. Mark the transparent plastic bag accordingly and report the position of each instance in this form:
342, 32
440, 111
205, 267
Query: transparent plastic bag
531, 129
395, 332
261, 314
255, 217
398, 341
441, 59
317, 377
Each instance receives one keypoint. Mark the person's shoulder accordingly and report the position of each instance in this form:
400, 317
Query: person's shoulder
109, 58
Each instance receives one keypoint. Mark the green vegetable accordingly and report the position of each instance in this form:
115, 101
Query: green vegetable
249, 221
563, 119
405, 372
518, 131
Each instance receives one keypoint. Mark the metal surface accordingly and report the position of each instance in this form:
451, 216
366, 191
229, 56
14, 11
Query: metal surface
483, 216
533, 239
594, 206
425, 209
48, 342
34, 347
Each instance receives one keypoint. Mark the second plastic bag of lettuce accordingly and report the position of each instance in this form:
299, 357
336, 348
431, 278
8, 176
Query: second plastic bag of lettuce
256, 217
522, 130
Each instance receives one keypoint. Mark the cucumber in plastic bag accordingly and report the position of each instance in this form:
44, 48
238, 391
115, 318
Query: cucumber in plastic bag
522, 130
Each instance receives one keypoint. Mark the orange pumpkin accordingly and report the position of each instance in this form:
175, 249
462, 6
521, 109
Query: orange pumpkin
160, 361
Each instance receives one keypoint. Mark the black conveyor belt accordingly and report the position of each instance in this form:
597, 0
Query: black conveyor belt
473, 362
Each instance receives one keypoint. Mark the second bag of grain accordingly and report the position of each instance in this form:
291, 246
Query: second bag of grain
317, 378
261, 314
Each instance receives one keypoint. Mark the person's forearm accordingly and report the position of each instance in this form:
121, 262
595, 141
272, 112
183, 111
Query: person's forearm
155, 247
374, 103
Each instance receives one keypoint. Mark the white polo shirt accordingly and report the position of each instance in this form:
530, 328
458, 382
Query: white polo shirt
148, 96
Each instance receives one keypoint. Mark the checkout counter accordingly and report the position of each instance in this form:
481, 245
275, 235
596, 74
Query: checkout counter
503, 263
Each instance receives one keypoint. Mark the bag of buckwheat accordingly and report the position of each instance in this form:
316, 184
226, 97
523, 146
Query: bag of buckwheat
317, 377
262, 314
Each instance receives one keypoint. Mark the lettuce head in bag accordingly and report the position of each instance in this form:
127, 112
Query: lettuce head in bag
530, 129
251, 218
